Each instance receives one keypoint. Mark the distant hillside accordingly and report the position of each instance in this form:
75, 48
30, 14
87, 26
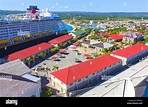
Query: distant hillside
80, 15
6, 12
102, 16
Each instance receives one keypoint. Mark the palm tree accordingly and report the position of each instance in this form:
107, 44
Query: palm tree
49, 92
69, 41
34, 57
55, 67
47, 69
28, 60
79, 43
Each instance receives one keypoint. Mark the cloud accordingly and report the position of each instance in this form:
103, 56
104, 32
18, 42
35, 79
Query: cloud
125, 3
90, 4
57, 3
61, 7
52, 7
81, 6
66, 7
22, 3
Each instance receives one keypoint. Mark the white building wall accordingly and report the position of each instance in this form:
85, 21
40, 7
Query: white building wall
72, 34
120, 57
130, 59
91, 76
58, 82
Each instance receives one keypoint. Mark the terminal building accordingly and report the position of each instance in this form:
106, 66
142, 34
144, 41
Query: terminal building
85, 74
132, 79
131, 54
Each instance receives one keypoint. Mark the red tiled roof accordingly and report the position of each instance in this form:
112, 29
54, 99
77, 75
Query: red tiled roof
124, 33
22, 54
115, 36
60, 39
78, 71
105, 34
130, 51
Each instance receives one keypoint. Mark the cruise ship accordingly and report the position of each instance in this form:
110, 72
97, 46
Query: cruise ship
18, 31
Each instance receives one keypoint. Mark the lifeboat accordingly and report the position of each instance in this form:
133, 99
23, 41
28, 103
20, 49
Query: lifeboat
43, 32
17, 38
49, 31
4, 41
28, 36
36, 34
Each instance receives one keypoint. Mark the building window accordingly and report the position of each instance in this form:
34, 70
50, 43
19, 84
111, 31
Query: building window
54, 84
93, 74
86, 77
71, 84
89, 82
61, 82
61, 89
79, 80
75, 88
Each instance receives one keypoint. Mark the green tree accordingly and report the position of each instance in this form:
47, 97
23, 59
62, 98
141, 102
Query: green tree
79, 43
54, 49
55, 67
69, 41
96, 31
47, 69
88, 30
49, 92
28, 59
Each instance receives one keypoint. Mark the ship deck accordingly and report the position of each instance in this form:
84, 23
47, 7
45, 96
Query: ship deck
6, 50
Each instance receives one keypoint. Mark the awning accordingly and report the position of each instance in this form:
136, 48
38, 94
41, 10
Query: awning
55, 57
62, 51
76, 59
76, 44
87, 55
59, 54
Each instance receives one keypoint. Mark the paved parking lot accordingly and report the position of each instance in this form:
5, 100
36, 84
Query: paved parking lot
67, 60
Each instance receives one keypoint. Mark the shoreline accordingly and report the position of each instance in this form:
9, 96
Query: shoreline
73, 27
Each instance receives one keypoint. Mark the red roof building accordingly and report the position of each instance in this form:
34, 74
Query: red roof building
78, 75
115, 37
131, 53
105, 34
60, 39
78, 71
22, 54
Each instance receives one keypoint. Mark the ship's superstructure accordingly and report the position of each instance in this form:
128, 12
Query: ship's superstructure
35, 23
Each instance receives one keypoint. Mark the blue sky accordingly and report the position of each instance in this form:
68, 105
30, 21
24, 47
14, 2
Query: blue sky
78, 5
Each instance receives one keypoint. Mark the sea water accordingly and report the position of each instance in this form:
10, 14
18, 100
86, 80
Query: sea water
68, 27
